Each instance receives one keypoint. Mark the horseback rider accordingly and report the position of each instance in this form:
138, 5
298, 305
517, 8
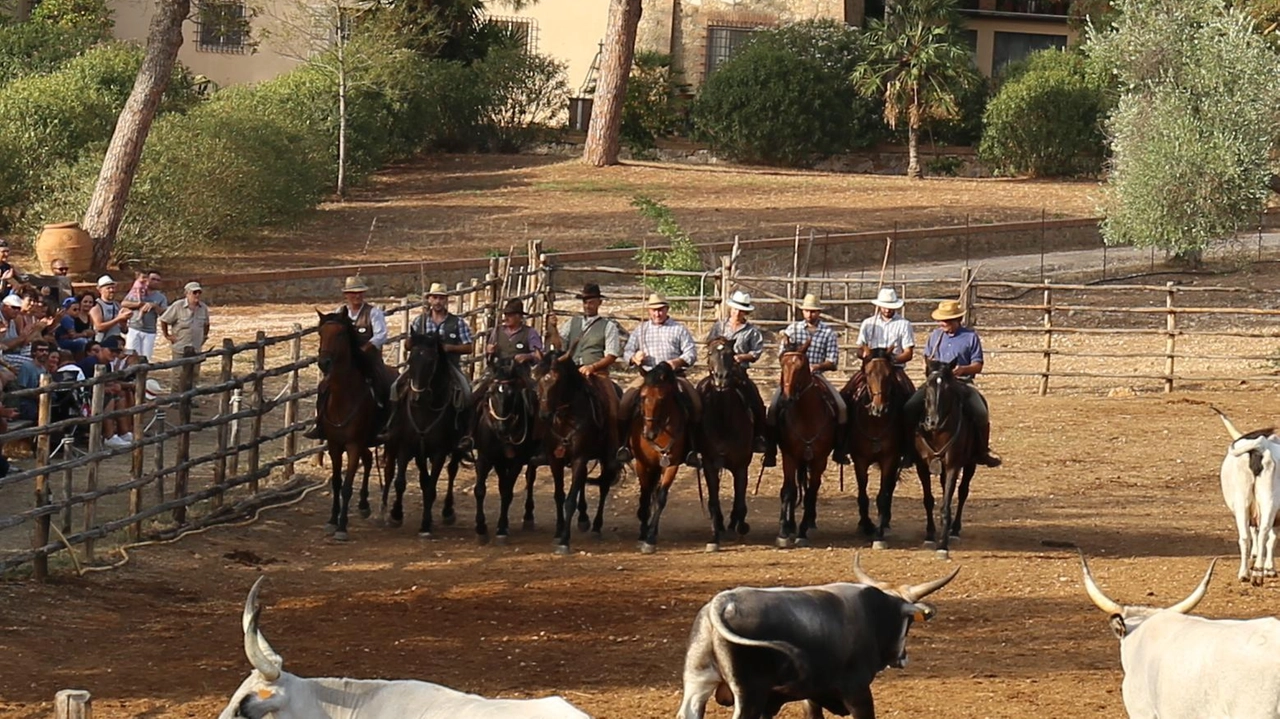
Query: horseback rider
371, 326
748, 345
657, 340
953, 341
516, 342
823, 354
887, 329
596, 344
455, 340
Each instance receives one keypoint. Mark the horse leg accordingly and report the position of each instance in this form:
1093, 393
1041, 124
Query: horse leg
557, 480
787, 501
660, 493
584, 523
530, 472
482, 480
388, 478
965, 477
813, 477
400, 470
950, 477
348, 484
884, 499
335, 488
366, 458
647, 480
507, 477
712, 473
427, 481
576, 488
447, 514
738, 518
861, 468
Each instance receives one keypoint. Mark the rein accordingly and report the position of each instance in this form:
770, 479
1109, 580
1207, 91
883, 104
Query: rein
937, 453
502, 420
414, 393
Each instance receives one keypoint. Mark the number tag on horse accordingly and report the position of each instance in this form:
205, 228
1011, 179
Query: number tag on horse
664, 462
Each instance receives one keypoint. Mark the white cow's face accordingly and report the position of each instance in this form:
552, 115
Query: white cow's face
288, 697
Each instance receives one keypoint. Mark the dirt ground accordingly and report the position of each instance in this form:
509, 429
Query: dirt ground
1132, 481
442, 205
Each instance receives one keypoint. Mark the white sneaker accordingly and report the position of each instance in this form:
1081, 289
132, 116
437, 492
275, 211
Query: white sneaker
128, 437
116, 441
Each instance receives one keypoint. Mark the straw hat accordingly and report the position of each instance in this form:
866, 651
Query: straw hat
513, 307
354, 284
438, 290
811, 303
948, 310
888, 298
740, 300
655, 301
105, 280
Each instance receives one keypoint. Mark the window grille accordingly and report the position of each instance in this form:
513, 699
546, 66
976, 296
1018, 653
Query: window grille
222, 27
723, 42
523, 29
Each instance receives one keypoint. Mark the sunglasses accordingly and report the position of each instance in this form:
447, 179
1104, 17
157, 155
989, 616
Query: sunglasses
61, 270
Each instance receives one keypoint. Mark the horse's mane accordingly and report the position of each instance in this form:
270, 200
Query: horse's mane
417, 340
659, 375
361, 360
880, 353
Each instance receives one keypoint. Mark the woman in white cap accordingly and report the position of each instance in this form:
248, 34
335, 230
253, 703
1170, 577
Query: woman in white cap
823, 354
748, 345
887, 329
107, 317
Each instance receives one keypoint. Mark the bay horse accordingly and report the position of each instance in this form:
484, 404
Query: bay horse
424, 428
349, 414
726, 421
946, 434
572, 416
505, 441
806, 435
876, 436
658, 445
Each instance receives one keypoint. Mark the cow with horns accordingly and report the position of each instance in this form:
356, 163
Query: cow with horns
1251, 488
759, 649
270, 690
1178, 666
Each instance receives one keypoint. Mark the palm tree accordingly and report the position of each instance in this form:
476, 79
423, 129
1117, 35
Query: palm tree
917, 61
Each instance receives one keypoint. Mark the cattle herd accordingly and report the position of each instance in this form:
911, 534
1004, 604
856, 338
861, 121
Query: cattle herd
758, 649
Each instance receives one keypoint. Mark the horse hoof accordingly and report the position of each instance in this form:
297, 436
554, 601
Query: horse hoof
1243, 578
528, 525
743, 528
340, 537
930, 545
584, 525
781, 542
330, 528
482, 539
879, 544
955, 537
365, 512
424, 535
646, 548
943, 554
713, 547
562, 550
448, 519
802, 543
1269, 573
500, 540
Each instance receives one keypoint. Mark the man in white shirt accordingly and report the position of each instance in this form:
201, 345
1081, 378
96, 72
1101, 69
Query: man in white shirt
887, 329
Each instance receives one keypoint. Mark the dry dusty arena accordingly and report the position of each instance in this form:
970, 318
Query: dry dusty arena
1130, 480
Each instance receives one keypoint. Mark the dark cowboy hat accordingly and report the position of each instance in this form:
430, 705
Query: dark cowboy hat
590, 291
513, 307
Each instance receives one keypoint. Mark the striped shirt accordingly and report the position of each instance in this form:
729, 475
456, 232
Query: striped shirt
824, 346
662, 343
747, 339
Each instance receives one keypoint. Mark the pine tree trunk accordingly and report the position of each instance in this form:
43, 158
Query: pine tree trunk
106, 207
603, 142
1274, 183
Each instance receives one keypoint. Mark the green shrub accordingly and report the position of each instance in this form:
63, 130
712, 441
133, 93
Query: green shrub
93, 15
1046, 119
785, 97
33, 47
522, 93
655, 104
681, 255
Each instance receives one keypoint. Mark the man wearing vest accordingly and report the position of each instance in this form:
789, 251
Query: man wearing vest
371, 326
748, 345
107, 318
823, 353
596, 344
456, 341
516, 342
657, 340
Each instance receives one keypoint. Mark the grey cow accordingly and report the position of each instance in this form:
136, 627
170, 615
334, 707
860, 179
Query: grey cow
1178, 666
758, 649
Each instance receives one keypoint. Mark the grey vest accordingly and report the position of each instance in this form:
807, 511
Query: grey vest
109, 312
590, 347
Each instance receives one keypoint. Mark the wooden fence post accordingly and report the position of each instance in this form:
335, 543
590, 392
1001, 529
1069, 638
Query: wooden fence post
1171, 330
95, 446
967, 296
1048, 338
72, 704
549, 292
224, 430
406, 324
726, 279
186, 382
40, 538
138, 459
291, 404
259, 365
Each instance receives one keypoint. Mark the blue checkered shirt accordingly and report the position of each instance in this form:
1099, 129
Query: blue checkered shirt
662, 343
824, 347
423, 324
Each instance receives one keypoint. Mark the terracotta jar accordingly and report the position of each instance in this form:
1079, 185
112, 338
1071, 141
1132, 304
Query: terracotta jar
68, 242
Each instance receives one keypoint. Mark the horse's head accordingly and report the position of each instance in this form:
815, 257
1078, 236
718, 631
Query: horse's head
504, 401
426, 357
721, 361
555, 378
878, 369
656, 394
939, 394
796, 375
338, 340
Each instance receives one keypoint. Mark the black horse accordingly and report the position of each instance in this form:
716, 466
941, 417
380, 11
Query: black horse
727, 423
424, 428
505, 441
948, 435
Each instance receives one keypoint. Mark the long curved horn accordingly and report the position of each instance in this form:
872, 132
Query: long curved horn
1190, 602
1100, 600
916, 592
863, 576
1231, 428
255, 646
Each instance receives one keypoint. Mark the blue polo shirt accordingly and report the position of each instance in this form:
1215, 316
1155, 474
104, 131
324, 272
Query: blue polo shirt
964, 346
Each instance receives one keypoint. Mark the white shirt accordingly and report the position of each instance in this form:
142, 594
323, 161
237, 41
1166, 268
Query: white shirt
895, 333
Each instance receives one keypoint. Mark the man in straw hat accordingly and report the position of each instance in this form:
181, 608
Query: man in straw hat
887, 329
371, 327
953, 341
748, 345
456, 341
660, 339
823, 354
596, 344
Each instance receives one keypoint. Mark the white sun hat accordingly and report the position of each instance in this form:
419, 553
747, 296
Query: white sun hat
740, 300
888, 298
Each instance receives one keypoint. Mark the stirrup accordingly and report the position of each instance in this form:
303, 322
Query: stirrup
759, 445
990, 459
623, 455
692, 459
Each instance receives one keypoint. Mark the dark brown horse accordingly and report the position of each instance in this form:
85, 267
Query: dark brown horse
947, 435
349, 413
876, 436
574, 432
658, 444
505, 441
424, 428
806, 434
727, 424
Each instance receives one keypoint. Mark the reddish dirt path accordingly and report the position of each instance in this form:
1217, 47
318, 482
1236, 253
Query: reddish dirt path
1132, 481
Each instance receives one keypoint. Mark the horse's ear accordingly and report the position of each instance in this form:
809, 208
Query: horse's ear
952, 364
804, 348
319, 314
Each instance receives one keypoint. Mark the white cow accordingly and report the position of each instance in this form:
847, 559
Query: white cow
270, 690
1251, 487
1184, 667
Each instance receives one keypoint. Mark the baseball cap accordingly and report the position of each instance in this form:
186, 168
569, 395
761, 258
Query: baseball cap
105, 280
192, 287
68, 302
12, 300
111, 343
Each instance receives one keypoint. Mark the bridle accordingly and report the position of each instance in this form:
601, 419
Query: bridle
955, 434
415, 392
502, 420
355, 408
